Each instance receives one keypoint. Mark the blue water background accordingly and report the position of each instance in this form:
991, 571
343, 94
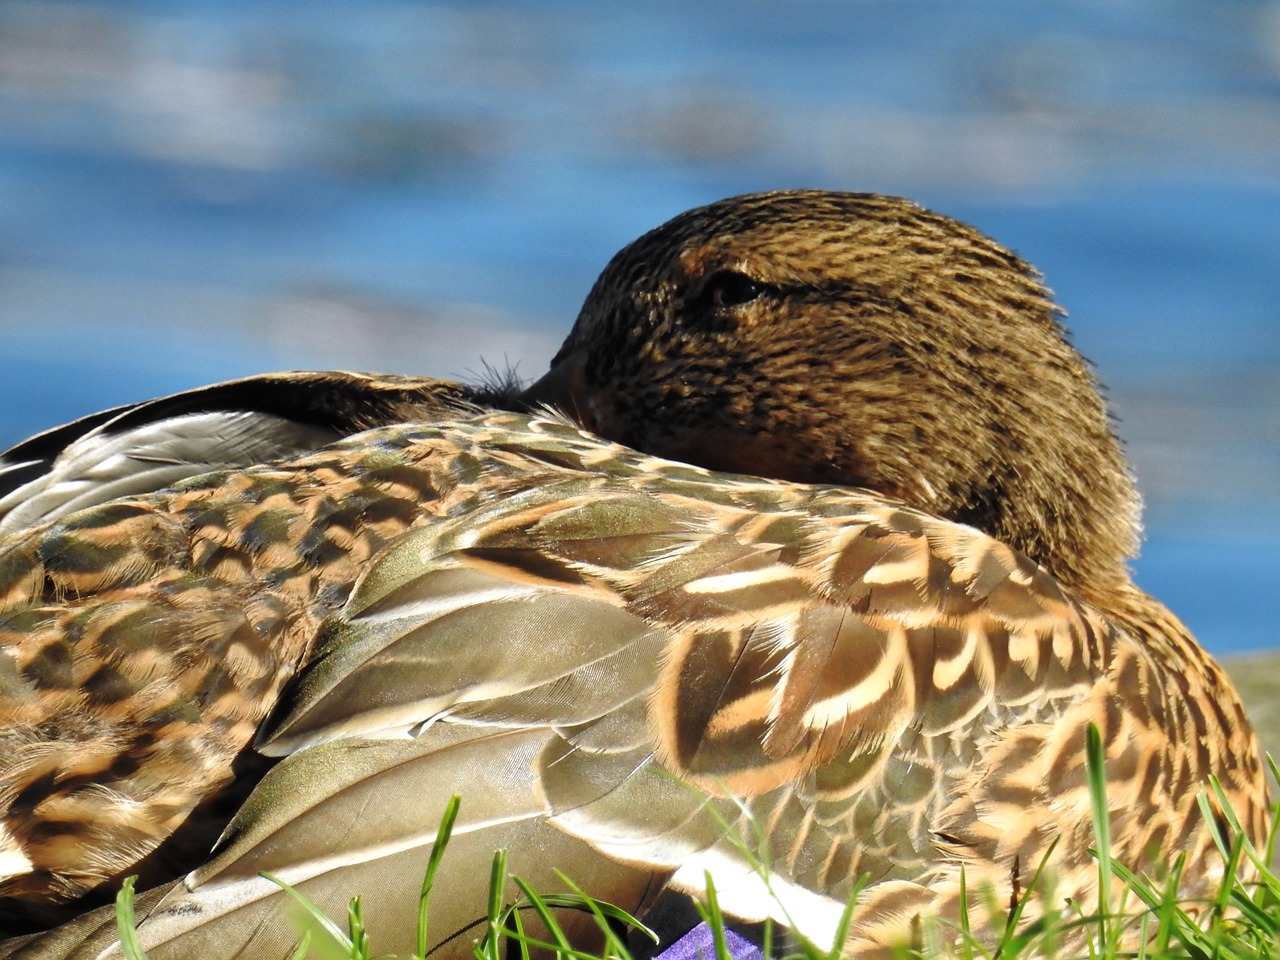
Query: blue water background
191, 191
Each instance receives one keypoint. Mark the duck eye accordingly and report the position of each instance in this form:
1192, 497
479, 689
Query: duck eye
728, 288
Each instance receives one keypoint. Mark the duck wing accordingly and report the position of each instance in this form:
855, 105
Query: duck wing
621, 665
148, 446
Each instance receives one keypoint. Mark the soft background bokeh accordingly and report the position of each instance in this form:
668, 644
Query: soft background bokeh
191, 191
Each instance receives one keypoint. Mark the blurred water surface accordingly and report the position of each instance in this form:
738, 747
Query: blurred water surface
191, 191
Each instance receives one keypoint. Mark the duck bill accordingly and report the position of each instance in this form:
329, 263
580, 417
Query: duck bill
563, 388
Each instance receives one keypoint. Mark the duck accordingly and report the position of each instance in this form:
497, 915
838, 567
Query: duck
816, 533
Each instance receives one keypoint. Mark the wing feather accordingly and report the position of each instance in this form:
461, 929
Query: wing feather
152, 445
596, 659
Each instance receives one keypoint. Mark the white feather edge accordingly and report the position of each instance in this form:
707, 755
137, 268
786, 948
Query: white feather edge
742, 892
104, 465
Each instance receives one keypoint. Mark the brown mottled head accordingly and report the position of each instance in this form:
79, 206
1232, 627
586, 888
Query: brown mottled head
857, 339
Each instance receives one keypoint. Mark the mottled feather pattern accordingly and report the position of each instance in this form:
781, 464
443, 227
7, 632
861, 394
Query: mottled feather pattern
620, 661
172, 620
854, 687
533, 520
150, 445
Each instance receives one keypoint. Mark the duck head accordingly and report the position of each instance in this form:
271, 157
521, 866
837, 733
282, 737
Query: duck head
857, 339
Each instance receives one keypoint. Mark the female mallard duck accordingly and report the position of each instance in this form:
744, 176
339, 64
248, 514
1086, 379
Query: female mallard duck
888, 653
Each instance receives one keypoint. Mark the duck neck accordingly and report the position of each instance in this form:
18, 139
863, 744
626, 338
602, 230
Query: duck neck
1149, 621
1142, 616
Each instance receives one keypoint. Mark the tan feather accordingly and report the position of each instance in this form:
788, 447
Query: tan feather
619, 661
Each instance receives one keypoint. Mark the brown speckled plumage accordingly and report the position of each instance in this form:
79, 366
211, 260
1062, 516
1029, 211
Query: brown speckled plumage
894, 680
147, 637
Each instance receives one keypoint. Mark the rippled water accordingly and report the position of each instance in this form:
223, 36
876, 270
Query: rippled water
191, 191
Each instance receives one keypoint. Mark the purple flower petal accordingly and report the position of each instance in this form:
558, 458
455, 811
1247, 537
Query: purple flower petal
700, 944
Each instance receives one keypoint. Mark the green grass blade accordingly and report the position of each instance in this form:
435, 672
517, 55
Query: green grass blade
1096, 771
1167, 909
1150, 920
846, 916
303, 948
543, 910
580, 901
521, 938
526, 941
356, 930
443, 833
766, 940
1233, 866
965, 924
487, 948
316, 915
602, 911
714, 919
1211, 818
126, 922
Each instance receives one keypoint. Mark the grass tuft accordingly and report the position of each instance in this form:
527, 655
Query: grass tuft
1137, 918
